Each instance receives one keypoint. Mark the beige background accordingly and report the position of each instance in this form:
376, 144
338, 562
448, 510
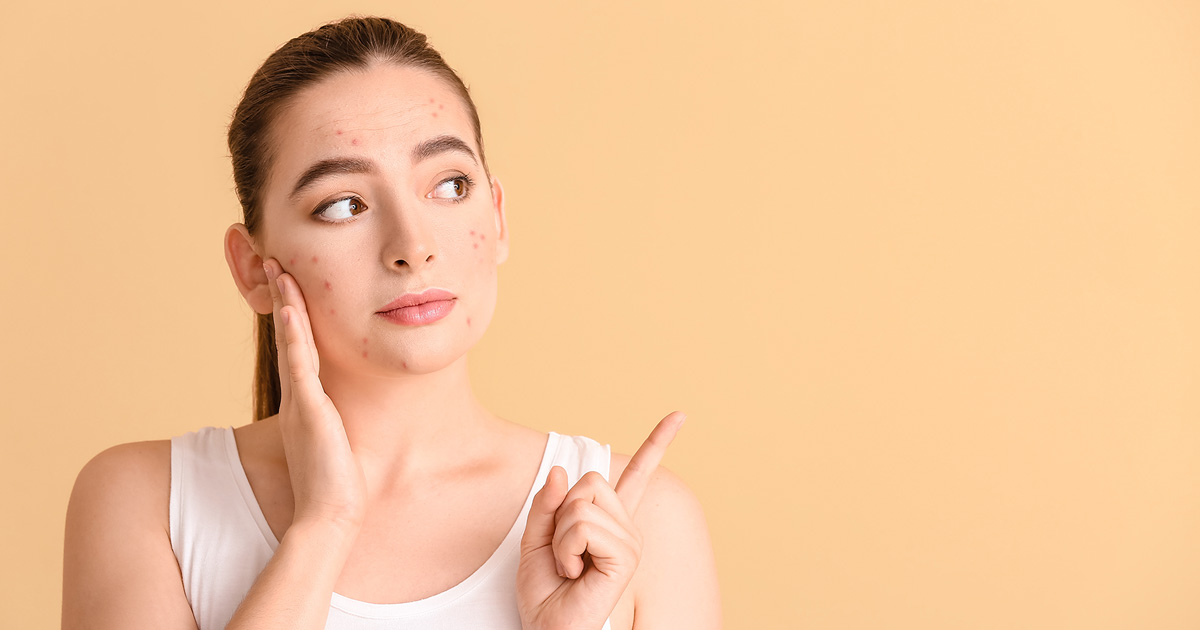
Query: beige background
923, 275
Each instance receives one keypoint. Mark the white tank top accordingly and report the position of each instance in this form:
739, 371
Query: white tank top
222, 542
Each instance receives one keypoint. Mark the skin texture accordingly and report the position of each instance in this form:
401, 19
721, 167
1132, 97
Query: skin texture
427, 476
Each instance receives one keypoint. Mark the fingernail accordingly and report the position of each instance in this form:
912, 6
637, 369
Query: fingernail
286, 317
266, 270
558, 565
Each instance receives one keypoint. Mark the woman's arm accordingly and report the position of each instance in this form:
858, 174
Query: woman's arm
119, 570
676, 581
118, 567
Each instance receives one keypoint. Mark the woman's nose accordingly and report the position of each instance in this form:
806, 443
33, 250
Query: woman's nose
409, 238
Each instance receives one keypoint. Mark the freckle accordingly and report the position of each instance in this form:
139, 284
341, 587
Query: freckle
314, 259
327, 285
354, 142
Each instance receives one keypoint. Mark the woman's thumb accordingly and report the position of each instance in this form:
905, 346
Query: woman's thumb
539, 528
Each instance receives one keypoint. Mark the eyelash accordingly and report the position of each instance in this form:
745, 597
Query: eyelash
470, 185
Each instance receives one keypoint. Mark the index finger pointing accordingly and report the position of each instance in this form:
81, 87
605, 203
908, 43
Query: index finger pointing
637, 473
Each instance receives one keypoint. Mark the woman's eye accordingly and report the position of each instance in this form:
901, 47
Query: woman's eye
455, 188
343, 208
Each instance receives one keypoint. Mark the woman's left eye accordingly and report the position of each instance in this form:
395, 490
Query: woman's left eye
456, 188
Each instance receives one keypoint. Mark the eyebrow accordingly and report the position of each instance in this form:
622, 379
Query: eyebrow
347, 165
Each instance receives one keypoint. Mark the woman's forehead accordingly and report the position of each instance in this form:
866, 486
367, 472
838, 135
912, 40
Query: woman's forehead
383, 109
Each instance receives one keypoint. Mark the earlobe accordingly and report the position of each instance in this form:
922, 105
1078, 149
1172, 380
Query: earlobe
501, 221
246, 266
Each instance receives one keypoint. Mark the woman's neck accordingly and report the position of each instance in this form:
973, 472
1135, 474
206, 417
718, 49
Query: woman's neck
410, 426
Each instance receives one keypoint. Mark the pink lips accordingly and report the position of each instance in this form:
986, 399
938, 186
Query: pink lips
415, 309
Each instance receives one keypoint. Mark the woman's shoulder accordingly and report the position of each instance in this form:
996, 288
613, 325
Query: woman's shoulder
677, 552
133, 477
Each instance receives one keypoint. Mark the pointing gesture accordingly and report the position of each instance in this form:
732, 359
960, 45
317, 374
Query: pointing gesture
580, 547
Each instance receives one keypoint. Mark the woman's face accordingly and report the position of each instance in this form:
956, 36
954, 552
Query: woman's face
377, 190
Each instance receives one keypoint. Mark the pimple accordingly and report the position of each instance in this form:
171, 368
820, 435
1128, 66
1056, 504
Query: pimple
472, 232
339, 132
435, 114
314, 259
364, 354
354, 142
292, 262
431, 100
468, 321
482, 237
327, 285
441, 106
405, 364
475, 245
332, 312
364, 340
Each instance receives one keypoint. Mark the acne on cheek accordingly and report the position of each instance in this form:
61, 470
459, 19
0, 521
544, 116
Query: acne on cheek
482, 237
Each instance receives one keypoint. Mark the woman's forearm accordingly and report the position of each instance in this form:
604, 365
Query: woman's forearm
294, 589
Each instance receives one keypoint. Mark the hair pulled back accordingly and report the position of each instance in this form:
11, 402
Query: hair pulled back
349, 44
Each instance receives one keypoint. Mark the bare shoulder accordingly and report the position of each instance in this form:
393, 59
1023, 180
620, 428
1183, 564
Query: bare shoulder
118, 563
132, 478
676, 581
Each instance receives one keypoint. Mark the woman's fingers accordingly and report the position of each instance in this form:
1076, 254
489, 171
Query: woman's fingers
580, 524
594, 488
285, 385
293, 297
636, 476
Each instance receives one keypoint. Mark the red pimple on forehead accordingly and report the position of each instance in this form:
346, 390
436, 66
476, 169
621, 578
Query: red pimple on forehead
405, 364
314, 259
339, 131
354, 142
472, 232
331, 311
435, 114
475, 245
292, 261
431, 99
364, 340
327, 285
364, 354
441, 106
468, 321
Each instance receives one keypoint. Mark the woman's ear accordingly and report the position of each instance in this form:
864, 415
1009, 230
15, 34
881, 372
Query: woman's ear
247, 268
501, 221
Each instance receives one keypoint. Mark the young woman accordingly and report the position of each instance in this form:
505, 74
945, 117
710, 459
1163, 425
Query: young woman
373, 490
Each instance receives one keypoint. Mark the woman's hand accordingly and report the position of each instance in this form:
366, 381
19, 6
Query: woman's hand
327, 479
580, 548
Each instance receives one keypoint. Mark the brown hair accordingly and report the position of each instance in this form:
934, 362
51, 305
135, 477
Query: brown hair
352, 43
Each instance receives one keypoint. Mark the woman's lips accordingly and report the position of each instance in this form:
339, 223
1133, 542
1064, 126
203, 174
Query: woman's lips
420, 314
